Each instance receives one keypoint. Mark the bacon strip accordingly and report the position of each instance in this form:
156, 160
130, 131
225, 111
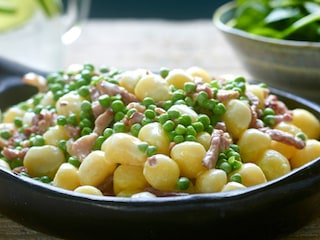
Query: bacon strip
286, 138
220, 141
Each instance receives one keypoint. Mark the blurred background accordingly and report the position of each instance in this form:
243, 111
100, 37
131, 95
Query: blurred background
166, 9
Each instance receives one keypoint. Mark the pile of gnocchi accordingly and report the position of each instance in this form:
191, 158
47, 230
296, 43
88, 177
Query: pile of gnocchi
144, 134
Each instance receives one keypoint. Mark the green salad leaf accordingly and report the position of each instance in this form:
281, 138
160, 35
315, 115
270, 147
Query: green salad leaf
281, 19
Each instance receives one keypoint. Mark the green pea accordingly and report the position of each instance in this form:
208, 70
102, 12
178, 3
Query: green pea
72, 119
205, 120
269, 120
146, 121
236, 178
198, 126
74, 161
163, 118
119, 127
84, 91
148, 101
104, 69
62, 145
119, 116
225, 166
191, 131
151, 150
219, 109
104, 100
98, 143
107, 132
180, 129
189, 87
143, 147
135, 129
5, 134
234, 147
61, 120
85, 122
202, 98
86, 131
171, 135
164, 72
189, 101
302, 136
149, 113
178, 95
45, 179
86, 106
185, 120
167, 104
117, 106
190, 138
38, 109
173, 114
168, 126
130, 112
183, 183
268, 111
37, 140
178, 138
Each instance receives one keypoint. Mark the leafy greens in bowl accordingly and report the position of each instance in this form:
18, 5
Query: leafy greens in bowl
290, 65
288, 20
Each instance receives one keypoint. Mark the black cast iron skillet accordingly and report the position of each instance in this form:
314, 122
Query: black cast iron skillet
266, 211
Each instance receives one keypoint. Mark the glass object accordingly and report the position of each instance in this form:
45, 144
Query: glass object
35, 32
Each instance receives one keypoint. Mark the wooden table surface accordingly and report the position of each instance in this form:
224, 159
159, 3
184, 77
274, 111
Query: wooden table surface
133, 43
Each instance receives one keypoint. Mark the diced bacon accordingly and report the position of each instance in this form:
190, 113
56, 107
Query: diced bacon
220, 141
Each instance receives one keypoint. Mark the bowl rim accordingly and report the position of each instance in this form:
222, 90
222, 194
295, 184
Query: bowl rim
229, 6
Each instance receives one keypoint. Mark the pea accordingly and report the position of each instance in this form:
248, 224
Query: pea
173, 114
74, 161
177, 95
180, 129
148, 101
117, 106
205, 120
119, 116
86, 106
183, 183
190, 87
198, 126
5, 134
135, 129
62, 145
37, 140
178, 138
104, 100
150, 113
164, 72
151, 150
107, 132
163, 118
236, 178
86, 131
219, 109
98, 142
83, 91
225, 166
202, 98
185, 120
119, 127
61, 120
168, 126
